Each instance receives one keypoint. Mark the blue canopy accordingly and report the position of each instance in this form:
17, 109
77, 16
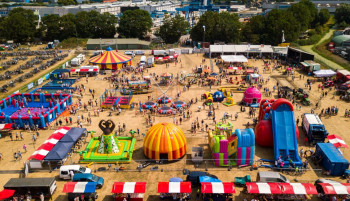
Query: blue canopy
208, 179
214, 74
59, 151
73, 135
175, 179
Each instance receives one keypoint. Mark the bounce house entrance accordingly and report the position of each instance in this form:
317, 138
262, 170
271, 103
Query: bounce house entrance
254, 101
163, 156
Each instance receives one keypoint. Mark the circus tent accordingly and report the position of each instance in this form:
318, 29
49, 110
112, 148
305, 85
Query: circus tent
110, 60
164, 141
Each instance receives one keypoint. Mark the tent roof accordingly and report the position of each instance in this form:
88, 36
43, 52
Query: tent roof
174, 187
6, 193
79, 187
59, 152
234, 58
218, 187
29, 182
73, 135
129, 187
338, 40
336, 188
110, 57
324, 73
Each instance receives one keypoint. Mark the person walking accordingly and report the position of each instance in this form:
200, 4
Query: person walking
25, 148
21, 135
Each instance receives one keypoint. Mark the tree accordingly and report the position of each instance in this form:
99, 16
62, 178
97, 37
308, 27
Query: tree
52, 26
254, 30
278, 21
312, 8
302, 14
106, 26
323, 16
67, 2
218, 27
67, 26
135, 24
172, 29
342, 14
20, 25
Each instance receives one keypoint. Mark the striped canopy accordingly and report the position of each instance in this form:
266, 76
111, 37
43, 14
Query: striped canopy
110, 59
164, 141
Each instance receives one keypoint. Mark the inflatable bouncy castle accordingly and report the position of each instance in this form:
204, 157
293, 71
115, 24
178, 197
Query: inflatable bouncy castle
33, 109
164, 141
231, 148
276, 127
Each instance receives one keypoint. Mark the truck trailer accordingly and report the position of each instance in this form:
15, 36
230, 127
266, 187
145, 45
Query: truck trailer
314, 128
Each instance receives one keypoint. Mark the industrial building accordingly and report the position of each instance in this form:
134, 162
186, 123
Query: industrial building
117, 44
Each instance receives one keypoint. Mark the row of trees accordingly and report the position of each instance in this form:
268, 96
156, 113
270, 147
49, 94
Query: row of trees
22, 25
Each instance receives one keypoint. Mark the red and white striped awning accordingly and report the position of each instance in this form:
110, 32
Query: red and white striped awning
281, 188
129, 187
174, 187
5, 126
218, 187
337, 141
84, 70
46, 147
263, 188
298, 188
336, 188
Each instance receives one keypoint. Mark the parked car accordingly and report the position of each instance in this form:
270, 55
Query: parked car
193, 176
89, 178
67, 171
269, 176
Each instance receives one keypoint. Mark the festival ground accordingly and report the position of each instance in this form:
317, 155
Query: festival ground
339, 125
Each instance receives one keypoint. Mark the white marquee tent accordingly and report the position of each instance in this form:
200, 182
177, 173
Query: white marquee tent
234, 58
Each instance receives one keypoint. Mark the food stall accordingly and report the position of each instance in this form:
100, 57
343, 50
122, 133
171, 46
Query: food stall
217, 191
327, 191
85, 71
132, 191
174, 190
84, 190
281, 191
34, 186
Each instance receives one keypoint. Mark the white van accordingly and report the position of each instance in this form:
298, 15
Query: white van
143, 60
66, 171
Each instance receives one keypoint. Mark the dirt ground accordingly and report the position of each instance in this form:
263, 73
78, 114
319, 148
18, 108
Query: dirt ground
339, 125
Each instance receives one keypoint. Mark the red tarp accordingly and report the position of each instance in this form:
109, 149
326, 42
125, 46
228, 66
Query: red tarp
337, 141
6, 193
129, 187
174, 187
218, 187
5, 126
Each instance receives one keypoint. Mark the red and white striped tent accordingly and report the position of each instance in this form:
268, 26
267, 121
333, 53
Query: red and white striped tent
85, 69
129, 187
263, 188
335, 188
337, 141
46, 147
281, 188
174, 187
5, 127
218, 187
298, 188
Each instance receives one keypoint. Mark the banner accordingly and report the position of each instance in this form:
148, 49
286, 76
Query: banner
40, 81
31, 85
